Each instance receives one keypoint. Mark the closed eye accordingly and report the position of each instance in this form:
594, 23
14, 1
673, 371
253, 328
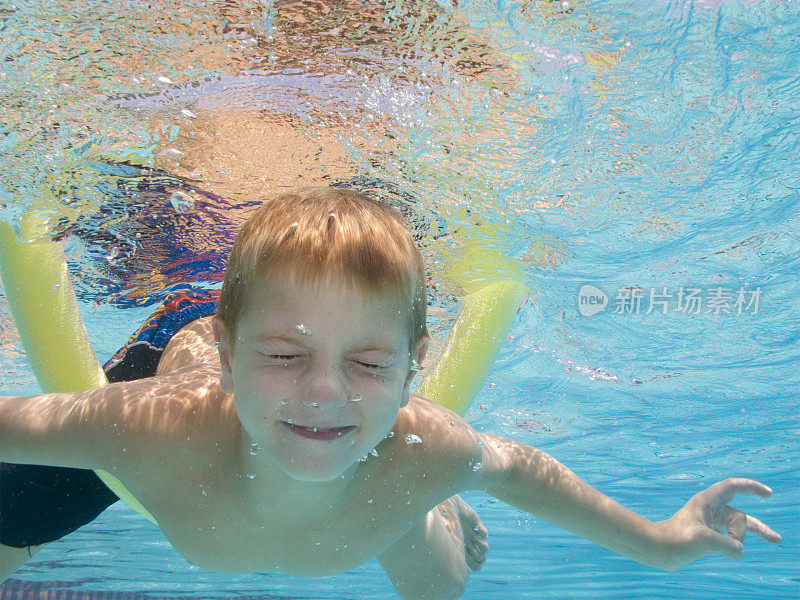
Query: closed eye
282, 358
370, 365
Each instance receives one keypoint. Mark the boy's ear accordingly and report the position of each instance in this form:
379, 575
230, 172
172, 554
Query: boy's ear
223, 339
418, 355
422, 349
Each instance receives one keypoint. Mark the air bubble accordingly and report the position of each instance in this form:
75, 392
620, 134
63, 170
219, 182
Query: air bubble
170, 152
374, 452
303, 329
358, 398
284, 401
477, 466
251, 475
390, 434
412, 438
215, 345
182, 202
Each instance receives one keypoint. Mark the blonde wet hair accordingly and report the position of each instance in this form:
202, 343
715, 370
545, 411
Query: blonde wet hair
327, 233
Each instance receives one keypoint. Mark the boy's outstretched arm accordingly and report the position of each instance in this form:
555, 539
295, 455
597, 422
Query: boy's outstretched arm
101, 428
533, 481
77, 429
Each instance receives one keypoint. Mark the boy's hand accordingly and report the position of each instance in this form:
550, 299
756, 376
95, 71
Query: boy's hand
697, 529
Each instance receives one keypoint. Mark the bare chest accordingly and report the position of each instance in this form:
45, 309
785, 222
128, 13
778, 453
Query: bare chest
212, 527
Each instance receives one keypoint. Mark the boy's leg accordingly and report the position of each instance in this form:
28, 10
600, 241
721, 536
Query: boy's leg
431, 560
11, 559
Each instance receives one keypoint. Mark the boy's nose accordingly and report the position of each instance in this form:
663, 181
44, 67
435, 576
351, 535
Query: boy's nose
325, 390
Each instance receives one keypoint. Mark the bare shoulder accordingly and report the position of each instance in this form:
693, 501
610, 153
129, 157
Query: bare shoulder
174, 419
191, 345
438, 439
446, 427
184, 398
480, 461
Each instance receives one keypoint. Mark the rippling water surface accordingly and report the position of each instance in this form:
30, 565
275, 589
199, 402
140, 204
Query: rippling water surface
648, 150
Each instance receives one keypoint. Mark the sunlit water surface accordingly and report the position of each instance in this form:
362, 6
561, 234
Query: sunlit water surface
628, 146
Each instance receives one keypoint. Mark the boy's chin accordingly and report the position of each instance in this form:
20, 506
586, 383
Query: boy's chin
316, 473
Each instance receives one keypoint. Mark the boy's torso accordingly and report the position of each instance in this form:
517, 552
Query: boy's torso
208, 505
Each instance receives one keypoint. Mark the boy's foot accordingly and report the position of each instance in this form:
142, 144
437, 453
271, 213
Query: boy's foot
466, 527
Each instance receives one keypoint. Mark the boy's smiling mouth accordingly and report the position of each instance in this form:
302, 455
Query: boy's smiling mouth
319, 433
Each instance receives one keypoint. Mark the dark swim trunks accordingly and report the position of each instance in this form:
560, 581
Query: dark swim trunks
40, 504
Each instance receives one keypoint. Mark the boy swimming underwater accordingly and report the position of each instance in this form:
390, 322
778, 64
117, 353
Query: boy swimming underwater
249, 455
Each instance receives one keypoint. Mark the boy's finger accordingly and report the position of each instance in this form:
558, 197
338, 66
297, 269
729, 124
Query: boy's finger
481, 546
477, 554
726, 545
736, 522
763, 530
727, 489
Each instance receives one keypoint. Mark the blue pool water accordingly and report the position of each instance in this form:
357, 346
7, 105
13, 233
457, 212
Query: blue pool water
649, 150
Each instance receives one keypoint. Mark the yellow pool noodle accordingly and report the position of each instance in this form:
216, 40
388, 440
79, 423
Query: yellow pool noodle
471, 348
45, 310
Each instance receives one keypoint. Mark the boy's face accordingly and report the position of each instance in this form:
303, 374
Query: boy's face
318, 373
